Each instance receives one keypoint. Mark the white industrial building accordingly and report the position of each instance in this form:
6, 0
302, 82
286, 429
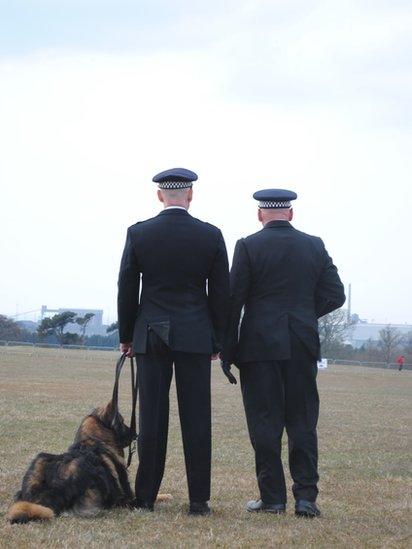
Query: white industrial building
362, 332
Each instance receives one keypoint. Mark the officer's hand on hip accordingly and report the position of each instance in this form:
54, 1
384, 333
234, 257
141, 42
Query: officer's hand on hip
226, 370
126, 348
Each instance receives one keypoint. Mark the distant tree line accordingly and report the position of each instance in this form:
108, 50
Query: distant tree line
11, 331
334, 332
53, 330
56, 325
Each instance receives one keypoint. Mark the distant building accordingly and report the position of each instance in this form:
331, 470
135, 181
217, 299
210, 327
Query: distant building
94, 327
362, 332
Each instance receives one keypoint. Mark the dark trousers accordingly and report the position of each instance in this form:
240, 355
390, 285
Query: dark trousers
277, 395
192, 372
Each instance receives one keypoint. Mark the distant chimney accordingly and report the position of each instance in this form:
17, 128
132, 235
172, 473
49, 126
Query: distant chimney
349, 302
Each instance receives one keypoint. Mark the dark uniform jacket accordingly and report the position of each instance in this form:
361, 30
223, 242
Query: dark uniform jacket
182, 263
285, 280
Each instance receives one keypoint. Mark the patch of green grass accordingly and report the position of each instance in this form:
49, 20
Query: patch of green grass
364, 439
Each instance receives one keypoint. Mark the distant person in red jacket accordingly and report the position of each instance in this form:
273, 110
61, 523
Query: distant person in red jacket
400, 361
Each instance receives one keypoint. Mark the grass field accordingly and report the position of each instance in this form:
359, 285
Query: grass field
364, 460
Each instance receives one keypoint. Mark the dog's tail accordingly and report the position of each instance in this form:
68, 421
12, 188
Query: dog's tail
24, 511
163, 497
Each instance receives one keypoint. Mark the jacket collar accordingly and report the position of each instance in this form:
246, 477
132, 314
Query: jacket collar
174, 211
277, 224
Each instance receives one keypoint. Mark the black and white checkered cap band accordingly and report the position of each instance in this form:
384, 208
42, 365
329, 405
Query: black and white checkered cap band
175, 184
272, 204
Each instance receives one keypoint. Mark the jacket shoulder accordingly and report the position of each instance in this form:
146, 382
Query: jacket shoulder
309, 237
252, 237
255, 238
140, 224
208, 226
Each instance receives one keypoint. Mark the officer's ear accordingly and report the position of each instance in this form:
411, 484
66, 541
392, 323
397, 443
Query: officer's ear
260, 216
190, 195
290, 214
160, 195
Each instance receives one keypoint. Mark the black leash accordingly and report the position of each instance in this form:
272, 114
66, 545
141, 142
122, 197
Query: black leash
135, 390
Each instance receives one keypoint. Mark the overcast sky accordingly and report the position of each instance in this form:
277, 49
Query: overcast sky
98, 96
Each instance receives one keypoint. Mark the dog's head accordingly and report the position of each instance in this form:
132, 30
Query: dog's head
105, 425
113, 420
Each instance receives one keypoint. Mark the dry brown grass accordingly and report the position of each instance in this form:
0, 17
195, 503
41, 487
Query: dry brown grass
365, 481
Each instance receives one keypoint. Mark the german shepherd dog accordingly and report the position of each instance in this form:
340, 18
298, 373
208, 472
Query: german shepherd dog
89, 477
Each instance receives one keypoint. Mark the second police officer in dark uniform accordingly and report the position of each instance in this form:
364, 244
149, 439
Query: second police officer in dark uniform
285, 280
179, 319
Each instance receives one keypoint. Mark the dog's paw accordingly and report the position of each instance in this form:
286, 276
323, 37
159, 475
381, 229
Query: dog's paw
163, 497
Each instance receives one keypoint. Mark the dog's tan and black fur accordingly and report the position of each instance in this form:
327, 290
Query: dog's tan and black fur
89, 477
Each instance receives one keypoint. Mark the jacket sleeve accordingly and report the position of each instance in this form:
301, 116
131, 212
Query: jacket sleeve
330, 293
218, 293
128, 291
240, 282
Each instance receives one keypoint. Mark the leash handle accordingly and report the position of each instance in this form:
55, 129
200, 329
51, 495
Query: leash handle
115, 395
135, 389
115, 399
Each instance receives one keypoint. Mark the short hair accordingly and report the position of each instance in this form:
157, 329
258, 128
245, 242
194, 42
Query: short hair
174, 193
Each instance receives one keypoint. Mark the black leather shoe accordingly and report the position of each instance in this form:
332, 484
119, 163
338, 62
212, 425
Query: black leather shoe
307, 509
144, 506
199, 508
255, 506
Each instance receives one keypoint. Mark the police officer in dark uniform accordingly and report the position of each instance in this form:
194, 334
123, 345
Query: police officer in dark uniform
179, 320
285, 280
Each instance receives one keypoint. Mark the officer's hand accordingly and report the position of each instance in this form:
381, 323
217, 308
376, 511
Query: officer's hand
126, 348
226, 370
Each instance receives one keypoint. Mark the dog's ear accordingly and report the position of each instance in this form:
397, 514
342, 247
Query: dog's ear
109, 412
